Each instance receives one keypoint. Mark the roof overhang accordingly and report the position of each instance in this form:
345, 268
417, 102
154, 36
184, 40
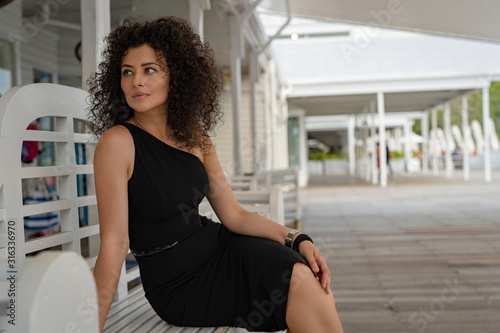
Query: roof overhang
351, 97
476, 19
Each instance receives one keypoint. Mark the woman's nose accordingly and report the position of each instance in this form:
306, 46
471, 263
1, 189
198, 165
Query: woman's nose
138, 80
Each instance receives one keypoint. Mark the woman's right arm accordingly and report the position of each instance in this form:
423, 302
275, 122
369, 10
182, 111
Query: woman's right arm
113, 165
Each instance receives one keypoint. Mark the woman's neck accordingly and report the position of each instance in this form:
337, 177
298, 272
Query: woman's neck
155, 125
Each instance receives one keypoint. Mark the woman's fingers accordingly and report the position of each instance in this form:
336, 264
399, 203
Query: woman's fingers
325, 274
317, 263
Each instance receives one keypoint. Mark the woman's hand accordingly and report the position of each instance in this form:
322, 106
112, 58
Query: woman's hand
317, 263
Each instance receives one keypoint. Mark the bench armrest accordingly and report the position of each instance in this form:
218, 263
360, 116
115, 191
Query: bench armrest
55, 292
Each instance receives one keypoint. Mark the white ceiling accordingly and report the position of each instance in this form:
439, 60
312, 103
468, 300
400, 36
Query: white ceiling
475, 19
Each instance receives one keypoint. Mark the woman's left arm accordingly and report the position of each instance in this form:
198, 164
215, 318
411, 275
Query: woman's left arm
240, 221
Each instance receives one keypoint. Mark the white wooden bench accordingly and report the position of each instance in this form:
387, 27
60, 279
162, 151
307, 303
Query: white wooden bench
286, 179
267, 203
55, 291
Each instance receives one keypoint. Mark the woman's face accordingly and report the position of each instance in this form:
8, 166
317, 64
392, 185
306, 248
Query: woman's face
143, 82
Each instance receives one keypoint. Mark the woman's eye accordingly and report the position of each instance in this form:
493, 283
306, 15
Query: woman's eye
149, 70
126, 72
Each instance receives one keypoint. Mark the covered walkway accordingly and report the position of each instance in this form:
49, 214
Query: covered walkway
422, 255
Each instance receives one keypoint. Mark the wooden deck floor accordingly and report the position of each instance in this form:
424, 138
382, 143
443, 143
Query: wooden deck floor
422, 255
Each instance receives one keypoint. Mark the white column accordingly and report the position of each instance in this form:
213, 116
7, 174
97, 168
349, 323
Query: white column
17, 62
465, 148
487, 134
351, 143
425, 144
373, 145
196, 8
365, 148
407, 134
447, 135
236, 45
96, 18
303, 150
303, 172
254, 73
435, 156
381, 135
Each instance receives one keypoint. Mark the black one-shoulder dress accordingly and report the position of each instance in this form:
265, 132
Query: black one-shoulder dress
212, 277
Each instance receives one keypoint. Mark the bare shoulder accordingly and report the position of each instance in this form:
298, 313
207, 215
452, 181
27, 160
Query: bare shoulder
116, 147
116, 135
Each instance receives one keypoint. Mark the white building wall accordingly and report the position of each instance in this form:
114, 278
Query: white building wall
148, 9
40, 53
10, 20
38, 45
272, 135
223, 140
278, 121
262, 145
69, 68
10, 32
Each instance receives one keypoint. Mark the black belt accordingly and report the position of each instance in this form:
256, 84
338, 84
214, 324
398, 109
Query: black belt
162, 248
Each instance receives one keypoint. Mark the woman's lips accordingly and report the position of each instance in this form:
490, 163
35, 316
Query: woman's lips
140, 96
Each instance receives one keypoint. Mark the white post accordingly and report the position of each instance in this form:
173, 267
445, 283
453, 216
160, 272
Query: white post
351, 143
487, 134
381, 135
236, 45
254, 73
447, 136
425, 143
465, 148
196, 8
373, 146
407, 134
17, 61
96, 23
435, 156
303, 150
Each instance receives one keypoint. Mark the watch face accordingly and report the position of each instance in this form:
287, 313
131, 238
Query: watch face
289, 237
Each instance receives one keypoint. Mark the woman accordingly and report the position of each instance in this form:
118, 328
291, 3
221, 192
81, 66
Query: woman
154, 101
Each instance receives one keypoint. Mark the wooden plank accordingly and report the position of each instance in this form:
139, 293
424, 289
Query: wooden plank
150, 321
46, 136
128, 315
46, 207
84, 169
47, 171
89, 230
83, 138
49, 241
87, 200
133, 273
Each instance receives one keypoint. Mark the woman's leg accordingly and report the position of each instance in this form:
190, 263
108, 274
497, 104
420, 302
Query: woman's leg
309, 307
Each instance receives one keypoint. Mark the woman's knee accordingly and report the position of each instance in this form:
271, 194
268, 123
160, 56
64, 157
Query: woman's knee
304, 279
302, 275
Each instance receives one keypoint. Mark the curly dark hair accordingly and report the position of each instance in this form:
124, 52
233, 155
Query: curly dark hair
193, 107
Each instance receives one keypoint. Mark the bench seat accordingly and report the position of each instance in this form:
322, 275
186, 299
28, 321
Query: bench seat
134, 314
